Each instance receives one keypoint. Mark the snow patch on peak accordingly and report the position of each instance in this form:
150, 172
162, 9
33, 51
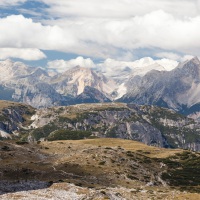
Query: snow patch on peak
167, 64
117, 69
141, 71
144, 62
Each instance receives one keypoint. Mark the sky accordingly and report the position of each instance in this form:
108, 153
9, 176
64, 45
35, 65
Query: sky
59, 32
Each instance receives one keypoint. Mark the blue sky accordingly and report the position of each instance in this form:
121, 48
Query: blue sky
41, 31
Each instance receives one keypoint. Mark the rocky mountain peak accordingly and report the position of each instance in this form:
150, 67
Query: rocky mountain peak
10, 69
78, 69
191, 67
195, 60
39, 72
7, 62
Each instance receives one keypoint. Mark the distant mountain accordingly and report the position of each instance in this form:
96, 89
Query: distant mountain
28, 85
10, 70
35, 87
73, 82
146, 81
178, 89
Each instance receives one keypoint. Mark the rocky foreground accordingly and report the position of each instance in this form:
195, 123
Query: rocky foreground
97, 169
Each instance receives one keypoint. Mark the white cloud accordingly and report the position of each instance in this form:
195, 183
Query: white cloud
112, 66
106, 27
120, 8
62, 65
154, 30
174, 56
104, 37
169, 55
11, 2
186, 57
20, 32
25, 54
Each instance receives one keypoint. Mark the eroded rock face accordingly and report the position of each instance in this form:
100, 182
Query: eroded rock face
14, 117
148, 124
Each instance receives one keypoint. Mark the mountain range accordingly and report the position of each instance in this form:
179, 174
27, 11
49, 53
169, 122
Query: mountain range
146, 81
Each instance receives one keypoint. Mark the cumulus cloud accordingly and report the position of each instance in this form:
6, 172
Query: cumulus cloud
108, 26
154, 30
20, 32
96, 33
62, 65
110, 66
25, 54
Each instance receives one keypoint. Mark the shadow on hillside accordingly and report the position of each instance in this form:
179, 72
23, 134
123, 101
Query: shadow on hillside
18, 186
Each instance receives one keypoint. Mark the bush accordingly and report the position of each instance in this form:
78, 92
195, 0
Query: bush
21, 142
102, 163
44, 131
68, 135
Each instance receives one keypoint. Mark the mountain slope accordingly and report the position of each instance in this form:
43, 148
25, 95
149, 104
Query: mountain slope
11, 69
177, 89
28, 85
97, 168
148, 124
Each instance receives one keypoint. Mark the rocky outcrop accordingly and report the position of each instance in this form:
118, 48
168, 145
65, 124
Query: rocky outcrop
148, 124
13, 118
